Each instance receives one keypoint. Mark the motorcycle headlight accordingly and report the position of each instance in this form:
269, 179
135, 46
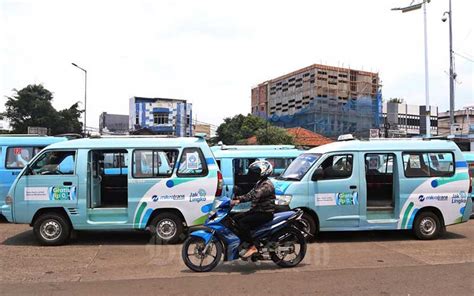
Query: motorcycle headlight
283, 200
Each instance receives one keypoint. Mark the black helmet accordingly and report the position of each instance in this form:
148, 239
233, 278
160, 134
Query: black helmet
261, 168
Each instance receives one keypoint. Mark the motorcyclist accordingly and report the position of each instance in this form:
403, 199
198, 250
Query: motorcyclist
262, 197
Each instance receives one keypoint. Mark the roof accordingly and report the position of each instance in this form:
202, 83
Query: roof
387, 145
29, 140
256, 151
302, 137
126, 142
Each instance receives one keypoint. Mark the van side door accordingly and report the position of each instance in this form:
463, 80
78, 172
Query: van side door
50, 181
334, 188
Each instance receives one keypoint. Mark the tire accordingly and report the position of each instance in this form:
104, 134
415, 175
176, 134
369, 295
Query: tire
427, 226
167, 228
186, 254
309, 223
297, 238
52, 229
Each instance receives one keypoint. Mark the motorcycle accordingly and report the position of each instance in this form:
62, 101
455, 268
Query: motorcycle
281, 240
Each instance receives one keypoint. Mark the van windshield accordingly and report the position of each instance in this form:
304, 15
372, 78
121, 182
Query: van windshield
299, 167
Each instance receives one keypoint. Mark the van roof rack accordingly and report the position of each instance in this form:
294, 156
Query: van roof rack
23, 135
255, 147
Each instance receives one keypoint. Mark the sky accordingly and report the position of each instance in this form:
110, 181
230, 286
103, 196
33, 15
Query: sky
212, 53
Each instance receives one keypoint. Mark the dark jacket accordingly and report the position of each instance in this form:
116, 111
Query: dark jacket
262, 197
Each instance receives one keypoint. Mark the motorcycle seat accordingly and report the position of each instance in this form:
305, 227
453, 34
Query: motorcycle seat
277, 218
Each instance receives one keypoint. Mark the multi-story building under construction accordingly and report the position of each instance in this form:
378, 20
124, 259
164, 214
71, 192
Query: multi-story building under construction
327, 100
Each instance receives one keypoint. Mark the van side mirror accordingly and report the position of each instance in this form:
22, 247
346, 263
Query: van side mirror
318, 174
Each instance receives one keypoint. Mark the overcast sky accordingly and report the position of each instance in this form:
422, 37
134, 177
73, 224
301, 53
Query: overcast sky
212, 52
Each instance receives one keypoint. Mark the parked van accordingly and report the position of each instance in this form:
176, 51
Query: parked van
234, 161
161, 184
421, 185
469, 156
15, 153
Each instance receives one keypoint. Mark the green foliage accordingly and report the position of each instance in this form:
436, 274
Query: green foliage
31, 106
274, 136
237, 129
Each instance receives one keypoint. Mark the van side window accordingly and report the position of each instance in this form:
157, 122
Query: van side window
54, 163
154, 163
424, 164
192, 163
279, 165
337, 167
18, 157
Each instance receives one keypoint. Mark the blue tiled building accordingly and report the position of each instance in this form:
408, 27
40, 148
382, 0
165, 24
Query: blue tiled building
161, 115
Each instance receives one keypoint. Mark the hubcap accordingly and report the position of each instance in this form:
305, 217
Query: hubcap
166, 229
50, 230
427, 226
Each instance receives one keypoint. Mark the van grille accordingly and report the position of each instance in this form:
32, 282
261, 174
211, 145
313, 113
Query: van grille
73, 211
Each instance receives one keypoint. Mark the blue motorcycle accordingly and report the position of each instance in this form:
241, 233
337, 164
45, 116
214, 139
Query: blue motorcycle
281, 240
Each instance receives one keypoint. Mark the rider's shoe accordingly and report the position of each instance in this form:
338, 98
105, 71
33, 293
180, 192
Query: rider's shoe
252, 250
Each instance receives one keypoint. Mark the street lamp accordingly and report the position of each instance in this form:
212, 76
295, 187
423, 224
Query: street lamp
452, 75
427, 91
85, 96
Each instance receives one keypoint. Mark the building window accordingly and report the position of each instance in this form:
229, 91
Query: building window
160, 118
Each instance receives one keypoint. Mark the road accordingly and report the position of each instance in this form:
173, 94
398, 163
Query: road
120, 263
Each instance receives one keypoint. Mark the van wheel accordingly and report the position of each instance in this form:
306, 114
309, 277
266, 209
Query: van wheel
309, 223
427, 226
167, 228
52, 229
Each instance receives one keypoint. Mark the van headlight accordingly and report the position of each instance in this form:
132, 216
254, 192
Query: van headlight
283, 200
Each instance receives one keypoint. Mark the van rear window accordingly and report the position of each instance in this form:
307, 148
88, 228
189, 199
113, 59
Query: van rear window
18, 157
428, 164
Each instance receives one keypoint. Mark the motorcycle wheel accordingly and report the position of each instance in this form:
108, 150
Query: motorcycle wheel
195, 259
290, 247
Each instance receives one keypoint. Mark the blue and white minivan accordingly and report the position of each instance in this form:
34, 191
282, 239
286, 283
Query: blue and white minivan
421, 185
15, 153
161, 184
234, 160
469, 156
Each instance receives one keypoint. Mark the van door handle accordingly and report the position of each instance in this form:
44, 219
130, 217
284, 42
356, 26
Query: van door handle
67, 183
352, 187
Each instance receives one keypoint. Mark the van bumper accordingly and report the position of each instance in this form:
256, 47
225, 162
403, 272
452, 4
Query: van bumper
6, 211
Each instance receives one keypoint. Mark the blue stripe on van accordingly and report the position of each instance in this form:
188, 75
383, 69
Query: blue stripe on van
210, 161
461, 164
146, 217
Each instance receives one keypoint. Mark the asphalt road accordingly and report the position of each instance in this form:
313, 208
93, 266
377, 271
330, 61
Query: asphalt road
122, 263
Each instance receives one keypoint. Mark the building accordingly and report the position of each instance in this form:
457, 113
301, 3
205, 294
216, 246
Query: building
463, 122
404, 120
324, 99
302, 138
462, 130
113, 123
161, 115
202, 128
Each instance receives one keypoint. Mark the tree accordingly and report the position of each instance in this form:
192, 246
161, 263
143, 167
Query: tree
31, 106
239, 128
396, 100
274, 136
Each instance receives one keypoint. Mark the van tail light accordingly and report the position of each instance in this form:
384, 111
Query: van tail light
220, 184
471, 172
